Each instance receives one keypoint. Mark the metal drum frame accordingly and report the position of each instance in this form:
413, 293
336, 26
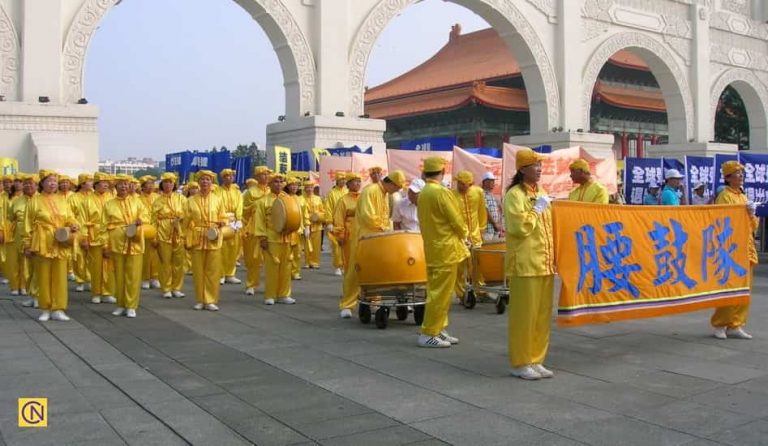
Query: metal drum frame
500, 289
385, 298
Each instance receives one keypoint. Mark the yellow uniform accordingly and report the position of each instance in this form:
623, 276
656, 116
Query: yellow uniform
167, 212
232, 201
17, 264
44, 214
472, 208
314, 218
297, 240
201, 213
530, 271
7, 232
277, 256
345, 232
102, 281
251, 252
126, 253
331, 200
80, 261
590, 192
735, 316
444, 231
150, 266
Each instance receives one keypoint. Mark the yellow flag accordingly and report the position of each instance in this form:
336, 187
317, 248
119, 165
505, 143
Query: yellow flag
318, 152
282, 159
9, 166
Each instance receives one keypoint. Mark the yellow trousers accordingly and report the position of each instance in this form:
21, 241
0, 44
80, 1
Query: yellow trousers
171, 266
312, 249
17, 269
51, 275
253, 260
296, 258
127, 273
336, 253
102, 282
206, 273
440, 281
278, 279
82, 275
187, 261
350, 288
230, 251
733, 316
150, 265
530, 313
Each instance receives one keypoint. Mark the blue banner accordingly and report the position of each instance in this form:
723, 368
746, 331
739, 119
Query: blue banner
672, 163
181, 163
440, 143
220, 160
348, 151
638, 174
542, 149
242, 168
302, 161
200, 161
488, 151
699, 169
719, 160
755, 176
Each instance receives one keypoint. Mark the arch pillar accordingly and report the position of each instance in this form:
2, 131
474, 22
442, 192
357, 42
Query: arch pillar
755, 96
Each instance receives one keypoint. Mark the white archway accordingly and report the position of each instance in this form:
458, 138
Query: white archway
522, 39
671, 78
755, 97
9, 58
289, 42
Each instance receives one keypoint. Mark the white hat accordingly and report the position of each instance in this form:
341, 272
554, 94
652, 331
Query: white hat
673, 173
653, 185
699, 184
417, 185
489, 176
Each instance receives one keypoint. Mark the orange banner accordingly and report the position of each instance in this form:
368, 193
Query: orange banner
329, 165
361, 162
629, 262
411, 162
478, 165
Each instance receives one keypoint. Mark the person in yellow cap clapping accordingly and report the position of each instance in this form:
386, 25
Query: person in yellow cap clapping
314, 218
251, 252
203, 213
472, 207
78, 202
150, 270
167, 214
93, 239
345, 232
232, 200
331, 199
588, 190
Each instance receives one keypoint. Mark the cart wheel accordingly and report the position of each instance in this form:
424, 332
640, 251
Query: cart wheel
382, 317
401, 312
418, 314
470, 300
501, 303
364, 311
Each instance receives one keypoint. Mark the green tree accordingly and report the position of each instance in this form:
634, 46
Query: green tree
731, 120
154, 171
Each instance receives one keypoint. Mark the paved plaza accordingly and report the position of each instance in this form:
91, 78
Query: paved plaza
285, 375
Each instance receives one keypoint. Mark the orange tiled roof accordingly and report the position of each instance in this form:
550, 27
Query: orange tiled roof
626, 97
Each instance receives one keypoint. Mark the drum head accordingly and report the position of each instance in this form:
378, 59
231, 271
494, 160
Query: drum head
212, 234
61, 235
286, 215
131, 230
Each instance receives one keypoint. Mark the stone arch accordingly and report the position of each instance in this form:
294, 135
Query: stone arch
535, 64
9, 58
288, 40
755, 97
671, 78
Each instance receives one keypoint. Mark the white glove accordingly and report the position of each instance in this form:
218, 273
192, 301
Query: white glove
328, 228
306, 232
542, 203
236, 225
752, 207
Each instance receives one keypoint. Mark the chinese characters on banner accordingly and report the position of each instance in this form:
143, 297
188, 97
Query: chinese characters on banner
411, 162
699, 169
622, 262
638, 174
282, 159
361, 162
478, 165
329, 165
755, 176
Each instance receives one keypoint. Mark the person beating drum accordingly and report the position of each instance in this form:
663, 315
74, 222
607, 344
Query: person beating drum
314, 218
345, 232
331, 200
230, 196
251, 251
167, 212
472, 207
443, 231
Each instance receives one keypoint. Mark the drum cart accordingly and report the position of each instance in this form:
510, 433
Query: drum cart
377, 302
489, 260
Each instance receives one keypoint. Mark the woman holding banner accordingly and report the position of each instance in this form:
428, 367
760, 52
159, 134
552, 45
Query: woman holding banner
729, 321
530, 268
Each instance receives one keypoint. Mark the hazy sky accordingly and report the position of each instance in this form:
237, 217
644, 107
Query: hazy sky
171, 75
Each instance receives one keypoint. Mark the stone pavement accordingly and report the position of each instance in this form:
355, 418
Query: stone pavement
287, 375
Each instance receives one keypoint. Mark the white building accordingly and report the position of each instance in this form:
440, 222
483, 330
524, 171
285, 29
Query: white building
129, 166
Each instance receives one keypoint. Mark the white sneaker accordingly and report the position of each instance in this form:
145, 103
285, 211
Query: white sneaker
269, 301
432, 342
154, 283
80, 288
221, 281
286, 300
44, 316
448, 338
178, 294
719, 333
4, 281
145, 285
346, 313
738, 333
118, 311
71, 277
23, 291
59, 315
96, 300
338, 272
130, 313
543, 371
212, 307
108, 300
167, 295
250, 291
526, 372
233, 280
14, 292
198, 307
296, 277
29, 303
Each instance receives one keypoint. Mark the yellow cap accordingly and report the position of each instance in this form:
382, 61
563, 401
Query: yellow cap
579, 164
397, 177
205, 173
168, 176
351, 176
730, 167
227, 172
526, 157
276, 176
310, 183
63, 177
375, 169
193, 185
23, 176
433, 164
84, 178
123, 177
465, 177
146, 178
251, 182
290, 179
45, 173
341, 175
261, 169
100, 176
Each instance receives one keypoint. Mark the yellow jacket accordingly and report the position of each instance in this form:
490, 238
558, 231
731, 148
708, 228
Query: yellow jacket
730, 195
372, 212
472, 207
202, 212
148, 200
344, 227
250, 198
590, 192
313, 205
167, 214
91, 217
442, 226
232, 201
5, 223
119, 213
332, 199
45, 213
530, 244
262, 221
16, 217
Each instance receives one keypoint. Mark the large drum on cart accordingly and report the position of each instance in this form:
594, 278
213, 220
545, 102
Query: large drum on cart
392, 273
489, 260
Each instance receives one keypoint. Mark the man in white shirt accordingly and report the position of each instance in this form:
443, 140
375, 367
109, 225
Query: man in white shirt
404, 215
700, 195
